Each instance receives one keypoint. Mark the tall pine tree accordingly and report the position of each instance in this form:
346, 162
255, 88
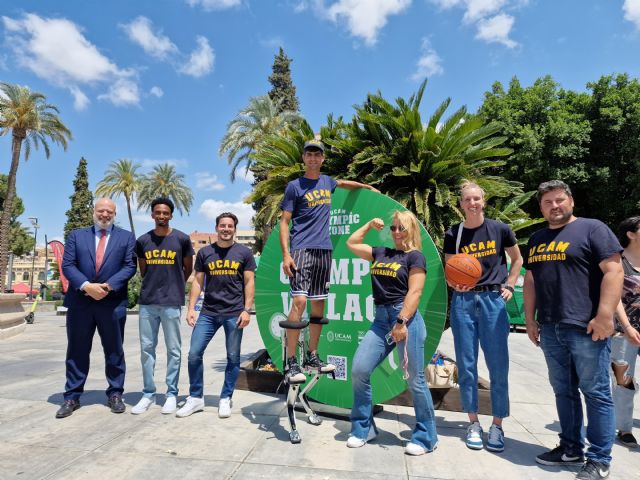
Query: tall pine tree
81, 212
283, 91
283, 94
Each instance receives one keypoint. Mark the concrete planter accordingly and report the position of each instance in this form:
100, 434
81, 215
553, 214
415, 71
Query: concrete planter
11, 315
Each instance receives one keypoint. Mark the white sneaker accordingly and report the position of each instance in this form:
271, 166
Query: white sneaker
355, 442
142, 406
192, 405
169, 406
224, 407
414, 449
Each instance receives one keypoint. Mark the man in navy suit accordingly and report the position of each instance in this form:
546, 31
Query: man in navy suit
98, 261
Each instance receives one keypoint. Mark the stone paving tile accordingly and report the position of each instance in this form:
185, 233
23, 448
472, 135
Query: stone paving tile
249, 471
31, 462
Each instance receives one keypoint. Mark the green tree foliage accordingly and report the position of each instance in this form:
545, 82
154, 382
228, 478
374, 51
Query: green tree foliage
80, 214
283, 91
164, 181
32, 122
21, 239
591, 140
388, 146
121, 178
133, 290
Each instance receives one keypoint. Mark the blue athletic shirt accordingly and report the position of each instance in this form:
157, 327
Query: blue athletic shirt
309, 202
487, 243
565, 267
390, 273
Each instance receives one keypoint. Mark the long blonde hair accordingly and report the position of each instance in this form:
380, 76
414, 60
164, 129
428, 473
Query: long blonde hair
409, 221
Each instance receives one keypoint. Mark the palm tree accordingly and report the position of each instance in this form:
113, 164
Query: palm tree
421, 165
121, 178
164, 181
258, 119
32, 121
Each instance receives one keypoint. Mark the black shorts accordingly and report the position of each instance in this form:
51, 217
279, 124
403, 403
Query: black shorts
312, 275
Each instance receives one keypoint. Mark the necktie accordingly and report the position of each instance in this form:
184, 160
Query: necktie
100, 250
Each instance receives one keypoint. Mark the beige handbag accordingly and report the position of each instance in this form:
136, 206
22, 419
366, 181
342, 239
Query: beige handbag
441, 372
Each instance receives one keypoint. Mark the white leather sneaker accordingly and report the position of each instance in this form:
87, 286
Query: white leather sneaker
355, 442
192, 405
224, 407
142, 406
169, 406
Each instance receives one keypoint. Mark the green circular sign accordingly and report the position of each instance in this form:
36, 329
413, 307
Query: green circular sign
349, 308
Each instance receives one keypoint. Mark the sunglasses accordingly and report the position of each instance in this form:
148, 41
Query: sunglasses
397, 228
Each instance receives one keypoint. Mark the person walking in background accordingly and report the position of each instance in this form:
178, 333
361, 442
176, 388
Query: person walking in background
165, 258
625, 346
479, 314
98, 262
397, 279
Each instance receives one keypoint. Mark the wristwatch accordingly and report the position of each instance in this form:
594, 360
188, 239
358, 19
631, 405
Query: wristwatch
508, 287
247, 310
402, 320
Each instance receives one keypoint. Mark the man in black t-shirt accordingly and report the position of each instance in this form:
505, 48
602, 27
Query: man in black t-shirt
571, 290
226, 271
165, 258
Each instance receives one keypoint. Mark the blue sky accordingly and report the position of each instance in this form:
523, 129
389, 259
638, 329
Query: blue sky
157, 81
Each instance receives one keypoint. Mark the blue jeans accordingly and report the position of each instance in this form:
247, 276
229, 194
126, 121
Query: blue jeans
371, 352
480, 318
575, 362
151, 317
204, 330
623, 349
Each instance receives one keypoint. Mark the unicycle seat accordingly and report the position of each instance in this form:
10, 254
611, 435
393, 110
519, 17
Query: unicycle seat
294, 325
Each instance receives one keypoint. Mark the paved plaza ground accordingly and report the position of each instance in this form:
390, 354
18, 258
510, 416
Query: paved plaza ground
95, 444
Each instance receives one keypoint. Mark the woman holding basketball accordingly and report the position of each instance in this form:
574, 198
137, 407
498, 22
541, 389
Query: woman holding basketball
479, 313
397, 278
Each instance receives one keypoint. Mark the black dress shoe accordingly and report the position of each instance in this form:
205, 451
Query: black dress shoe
116, 404
67, 408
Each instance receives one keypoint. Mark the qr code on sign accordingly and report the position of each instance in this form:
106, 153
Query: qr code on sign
341, 366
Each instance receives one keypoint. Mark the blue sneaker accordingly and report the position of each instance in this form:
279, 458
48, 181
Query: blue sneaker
495, 442
474, 436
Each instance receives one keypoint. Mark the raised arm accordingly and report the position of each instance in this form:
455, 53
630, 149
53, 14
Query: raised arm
356, 244
353, 185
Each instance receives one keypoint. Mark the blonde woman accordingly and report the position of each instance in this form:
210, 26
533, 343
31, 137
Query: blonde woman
479, 315
397, 278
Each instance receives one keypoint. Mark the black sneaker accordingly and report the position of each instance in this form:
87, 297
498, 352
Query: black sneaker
313, 361
593, 470
293, 373
627, 439
558, 456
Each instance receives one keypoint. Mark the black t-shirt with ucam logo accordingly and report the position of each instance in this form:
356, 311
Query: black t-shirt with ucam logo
566, 272
224, 277
390, 273
487, 243
163, 282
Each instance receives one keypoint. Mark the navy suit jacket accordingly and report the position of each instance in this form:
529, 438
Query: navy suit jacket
79, 266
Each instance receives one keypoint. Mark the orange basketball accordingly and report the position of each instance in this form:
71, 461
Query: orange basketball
463, 269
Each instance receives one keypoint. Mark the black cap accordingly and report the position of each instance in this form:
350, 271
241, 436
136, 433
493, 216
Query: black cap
314, 145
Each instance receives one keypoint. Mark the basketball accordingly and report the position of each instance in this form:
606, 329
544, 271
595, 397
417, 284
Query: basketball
463, 269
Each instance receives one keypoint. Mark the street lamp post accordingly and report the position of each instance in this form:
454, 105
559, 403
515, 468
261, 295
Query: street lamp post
34, 223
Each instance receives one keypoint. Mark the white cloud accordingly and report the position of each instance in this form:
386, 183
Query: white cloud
56, 50
156, 92
212, 208
122, 92
80, 100
479, 9
497, 30
429, 63
364, 18
207, 181
156, 44
300, 6
272, 43
201, 60
631, 9
209, 5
